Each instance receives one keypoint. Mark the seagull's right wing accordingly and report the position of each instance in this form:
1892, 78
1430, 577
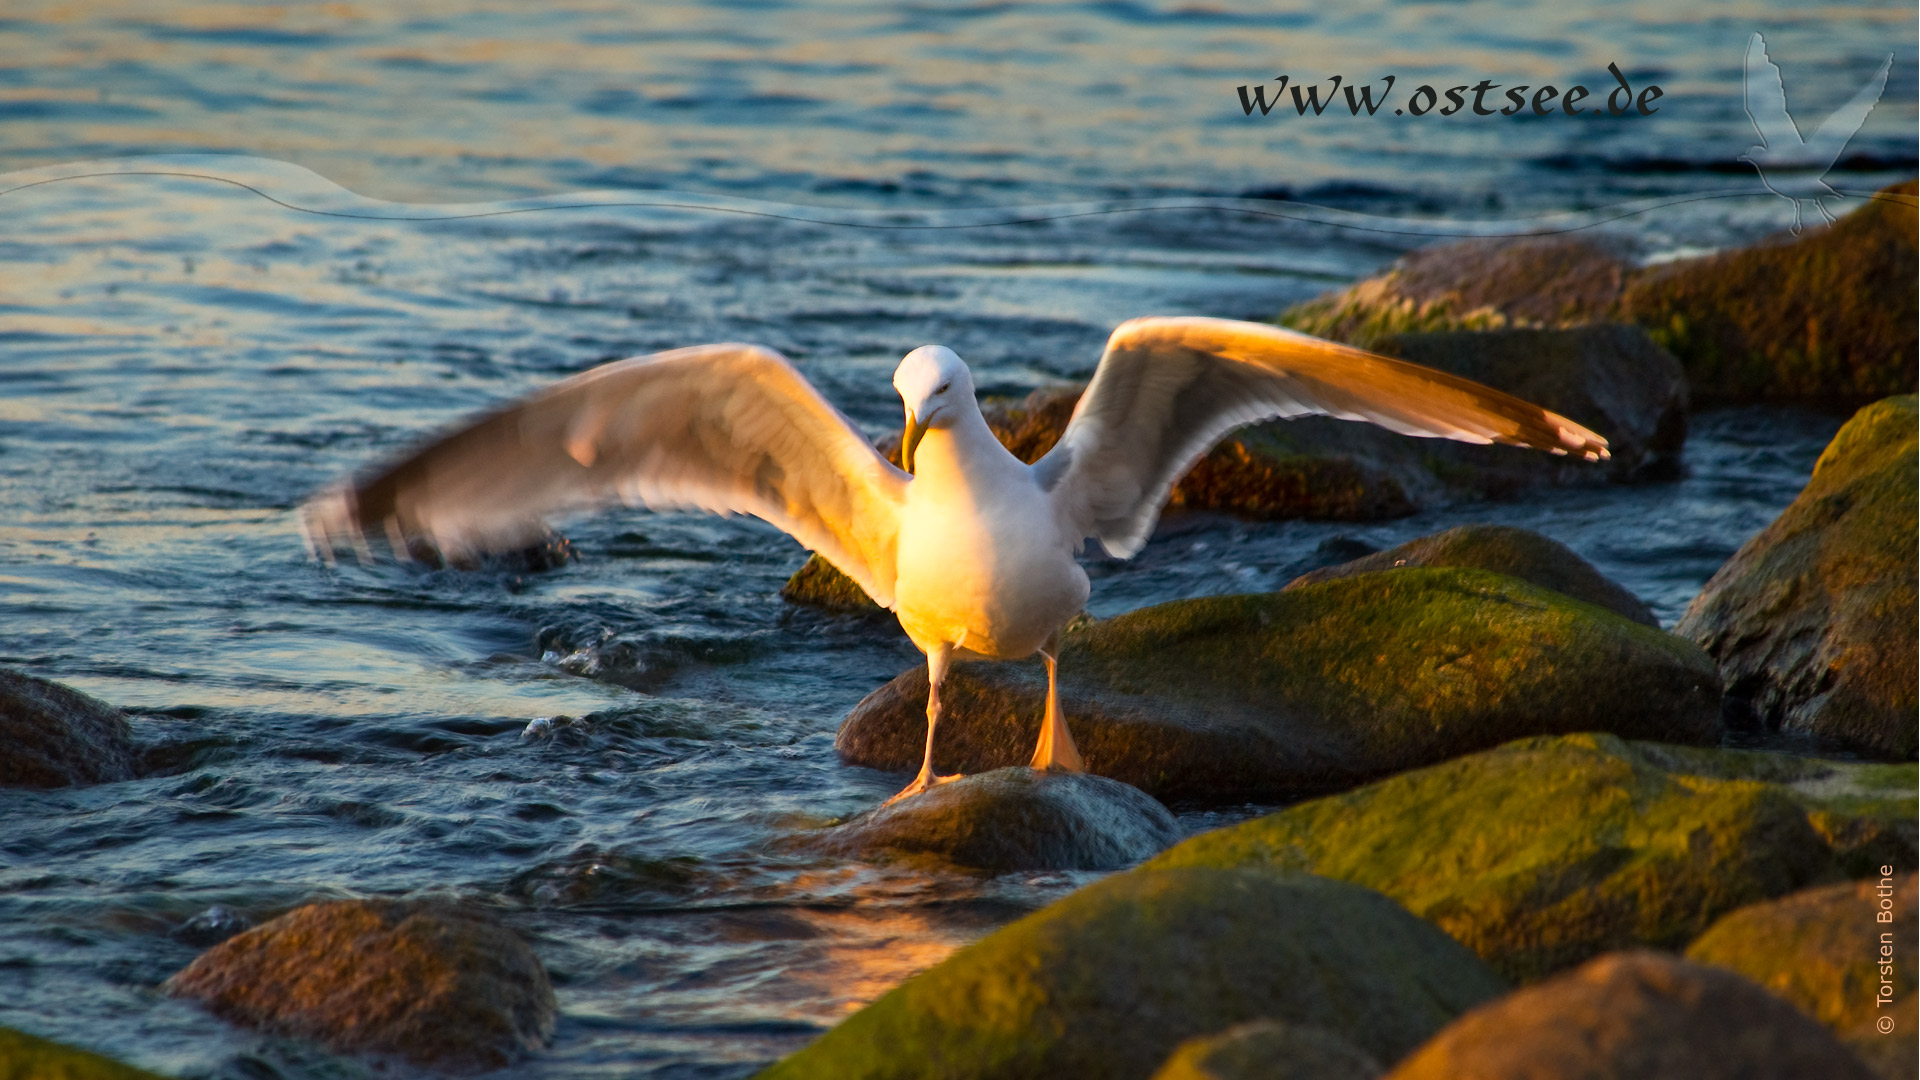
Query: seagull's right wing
725, 428
1169, 388
1766, 100
1835, 130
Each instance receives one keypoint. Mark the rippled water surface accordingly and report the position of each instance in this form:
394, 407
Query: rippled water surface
193, 343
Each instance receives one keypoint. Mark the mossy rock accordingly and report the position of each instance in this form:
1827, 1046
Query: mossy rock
1108, 981
1822, 948
1829, 315
1016, 819
25, 1057
1635, 1016
1269, 1050
1548, 851
441, 986
819, 583
54, 736
1812, 620
1502, 549
1272, 696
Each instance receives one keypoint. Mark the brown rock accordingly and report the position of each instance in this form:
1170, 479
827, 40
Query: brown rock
53, 736
1635, 1016
1502, 549
434, 984
1269, 1050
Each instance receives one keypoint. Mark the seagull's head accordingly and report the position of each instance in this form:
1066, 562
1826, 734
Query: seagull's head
935, 384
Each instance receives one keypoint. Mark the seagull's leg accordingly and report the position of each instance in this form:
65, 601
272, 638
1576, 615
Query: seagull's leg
937, 661
1056, 749
1824, 212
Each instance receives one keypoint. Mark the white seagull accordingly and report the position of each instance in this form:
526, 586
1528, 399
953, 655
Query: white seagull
972, 548
1781, 149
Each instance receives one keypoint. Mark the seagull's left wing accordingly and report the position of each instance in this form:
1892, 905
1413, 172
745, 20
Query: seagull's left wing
1167, 389
1832, 135
1766, 99
724, 428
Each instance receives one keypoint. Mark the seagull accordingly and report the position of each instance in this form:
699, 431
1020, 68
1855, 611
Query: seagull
970, 547
1781, 149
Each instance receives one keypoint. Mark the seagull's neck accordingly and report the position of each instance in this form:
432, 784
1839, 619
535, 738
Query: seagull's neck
963, 455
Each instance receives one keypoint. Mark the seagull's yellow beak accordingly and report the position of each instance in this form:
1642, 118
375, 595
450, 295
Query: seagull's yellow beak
910, 440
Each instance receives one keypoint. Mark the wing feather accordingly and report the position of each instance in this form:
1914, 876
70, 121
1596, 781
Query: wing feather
1766, 100
725, 428
1168, 389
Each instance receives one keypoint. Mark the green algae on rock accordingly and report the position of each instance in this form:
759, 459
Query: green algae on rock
1820, 948
26, 1057
1269, 1050
54, 736
1108, 981
1548, 851
1635, 1016
1276, 695
1502, 549
1812, 620
1017, 818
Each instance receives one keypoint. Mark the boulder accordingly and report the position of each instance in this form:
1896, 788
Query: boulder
1635, 1016
1822, 949
1017, 818
1502, 549
819, 583
25, 1057
53, 736
1548, 851
1269, 1050
1812, 620
1268, 697
1108, 981
441, 986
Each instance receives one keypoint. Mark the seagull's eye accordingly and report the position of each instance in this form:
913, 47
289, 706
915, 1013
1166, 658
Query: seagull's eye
943, 387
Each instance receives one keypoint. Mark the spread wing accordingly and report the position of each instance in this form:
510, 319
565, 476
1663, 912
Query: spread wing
1168, 389
1766, 99
726, 428
1835, 130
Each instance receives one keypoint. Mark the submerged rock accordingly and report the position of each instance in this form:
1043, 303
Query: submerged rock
1265, 697
1548, 851
1018, 818
54, 736
1812, 620
437, 985
1503, 549
1269, 1050
1106, 982
1821, 948
26, 1057
1635, 1016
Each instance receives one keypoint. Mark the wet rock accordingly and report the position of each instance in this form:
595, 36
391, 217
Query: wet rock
1503, 549
1829, 315
54, 736
1635, 1016
437, 985
1269, 1050
1266, 697
1018, 819
25, 1057
1811, 621
1548, 851
1109, 980
820, 584
1821, 948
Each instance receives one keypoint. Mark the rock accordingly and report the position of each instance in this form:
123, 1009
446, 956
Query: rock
1106, 982
1829, 315
1635, 1016
437, 985
819, 583
53, 736
1269, 1050
1549, 851
1267, 697
25, 1057
1822, 948
1018, 818
1503, 549
1889, 1053
1811, 621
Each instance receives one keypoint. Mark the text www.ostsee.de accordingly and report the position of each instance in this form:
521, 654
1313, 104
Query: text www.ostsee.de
1360, 99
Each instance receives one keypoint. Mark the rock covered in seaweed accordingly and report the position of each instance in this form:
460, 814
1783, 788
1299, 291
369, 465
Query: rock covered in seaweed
55, 736
438, 985
26, 1057
1264, 697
